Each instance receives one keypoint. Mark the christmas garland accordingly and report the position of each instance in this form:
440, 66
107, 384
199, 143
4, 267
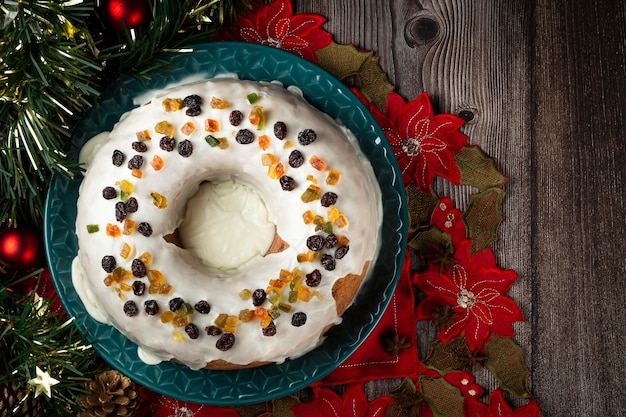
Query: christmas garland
460, 287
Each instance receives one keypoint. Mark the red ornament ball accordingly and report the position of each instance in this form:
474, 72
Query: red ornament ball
20, 248
129, 14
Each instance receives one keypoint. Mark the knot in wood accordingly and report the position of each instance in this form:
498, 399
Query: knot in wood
420, 30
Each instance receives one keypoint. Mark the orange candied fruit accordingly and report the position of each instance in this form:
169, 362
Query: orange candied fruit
125, 287
166, 289
231, 323
155, 277
126, 251
341, 222
304, 293
129, 226
157, 163
276, 171
264, 142
113, 230
146, 258
308, 217
312, 193
257, 117
317, 163
343, 241
269, 159
143, 136
218, 103
223, 143
137, 173
160, 201
309, 256
165, 128
172, 104
211, 125
167, 316
333, 213
289, 144
246, 315
188, 128
333, 177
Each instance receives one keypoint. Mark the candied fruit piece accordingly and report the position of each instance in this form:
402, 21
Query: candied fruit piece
266, 321
125, 287
343, 241
178, 337
218, 103
143, 136
333, 213
188, 128
308, 217
293, 296
155, 277
264, 142
146, 258
273, 296
180, 321
312, 193
154, 288
269, 159
284, 307
126, 251
260, 312
276, 171
317, 163
304, 294
165, 128
298, 275
245, 294
341, 221
211, 125
172, 104
252, 98
220, 320
166, 289
160, 201
333, 177
137, 173
309, 256
231, 323
109, 280
223, 143
129, 226
167, 317
113, 230
93, 228
257, 117
289, 144
285, 275
157, 163
185, 310
246, 315
212, 140
274, 312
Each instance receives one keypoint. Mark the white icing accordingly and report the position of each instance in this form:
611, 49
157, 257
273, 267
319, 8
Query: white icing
226, 225
83, 289
359, 200
87, 152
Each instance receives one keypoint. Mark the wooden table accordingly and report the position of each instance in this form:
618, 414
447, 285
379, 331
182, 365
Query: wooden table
545, 83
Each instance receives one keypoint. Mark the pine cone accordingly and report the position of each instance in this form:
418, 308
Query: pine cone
112, 394
10, 397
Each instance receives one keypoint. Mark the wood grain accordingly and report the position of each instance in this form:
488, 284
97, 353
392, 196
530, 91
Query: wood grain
545, 82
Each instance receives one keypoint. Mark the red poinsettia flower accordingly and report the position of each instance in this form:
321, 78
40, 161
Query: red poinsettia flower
475, 288
498, 407
353, 403
275, 25
424, 144
448, 219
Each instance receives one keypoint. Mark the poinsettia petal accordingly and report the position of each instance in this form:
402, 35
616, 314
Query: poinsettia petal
494, 278
414, 111
498, 406
305, 409
455, 329
395, 103
482, 312
378, 407
328, 403
437, 284
354, 402
476, 332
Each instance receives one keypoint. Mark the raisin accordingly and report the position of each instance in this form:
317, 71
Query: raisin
136, 162
280, 130
258, 297
108, 263
138, 268
270, 330
287, 183
296, 159
118, 158
139, 288
341, 252
185, 148
213, 330
109, 193
140, 147
307, 137
328, 262
151, 307
314, 278
193, 111
244, 136
192, 100
298, 319
225, 342
167, 143
176, 303
132, 205
328, 199
202, 307
144, 229
330, 241
120, 211
315, 243
192, 331
235, 118
130, 308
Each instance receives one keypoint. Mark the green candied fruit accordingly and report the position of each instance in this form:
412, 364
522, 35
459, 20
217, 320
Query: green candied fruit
293, 296
212, 140
93, 228
327, 228
253, 98
185, 310
245, 294
284, 307
273, 297
274, 312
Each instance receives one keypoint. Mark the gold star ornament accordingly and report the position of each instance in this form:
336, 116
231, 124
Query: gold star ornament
43, 382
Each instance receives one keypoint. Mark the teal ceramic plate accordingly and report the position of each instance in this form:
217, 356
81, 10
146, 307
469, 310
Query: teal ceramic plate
254, 62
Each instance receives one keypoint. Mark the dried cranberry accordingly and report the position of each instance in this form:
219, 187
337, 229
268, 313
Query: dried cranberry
176, 303
298, 319
314, 278
185, 148
138, 268
330, 241
140, 147
244, 137
193, 111
307, 137
151, 307
258, 297
136, 162
109, 193
328, 199
139, 288
192, 100
270, 330
167, 143
287, 183
132, 205
235, 118
296, 159
315, 243
120, 211
118, 158
130, 308
341, 252
225, 342
108, 263
213, 330
144, 229
280, 130
192, 331
328, 262
202, 307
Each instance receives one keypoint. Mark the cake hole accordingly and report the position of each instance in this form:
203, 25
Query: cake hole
226, 225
